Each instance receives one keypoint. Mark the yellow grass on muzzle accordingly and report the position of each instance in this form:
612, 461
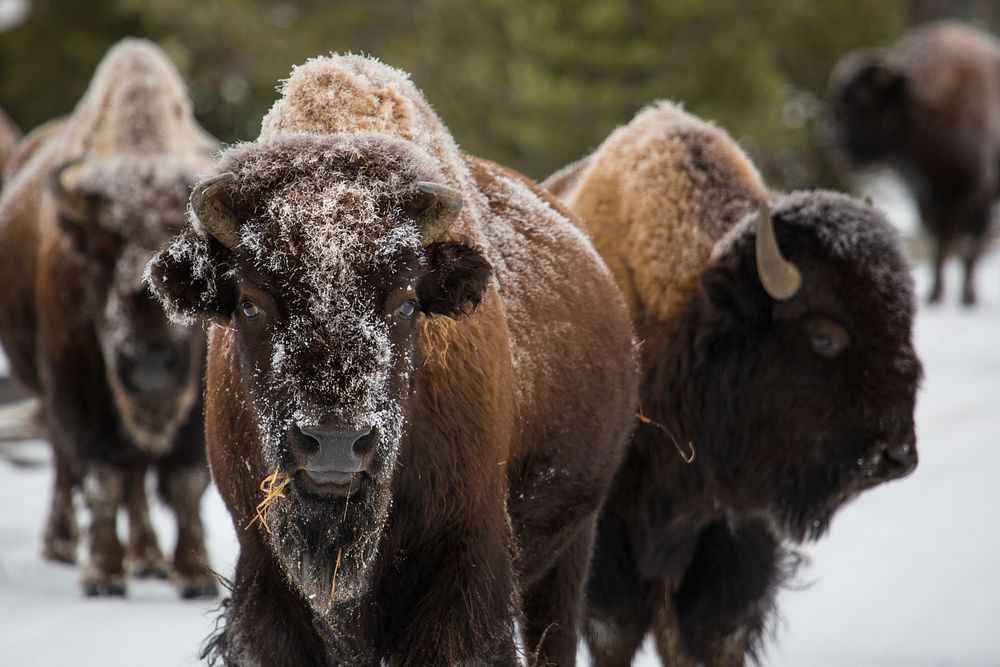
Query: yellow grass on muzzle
273, 488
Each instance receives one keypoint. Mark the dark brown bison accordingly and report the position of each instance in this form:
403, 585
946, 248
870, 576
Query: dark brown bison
91, 199
778, 382
930, 107
9, 135
421, 362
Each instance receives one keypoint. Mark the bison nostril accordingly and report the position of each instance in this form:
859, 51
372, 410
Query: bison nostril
904, 457
364, 444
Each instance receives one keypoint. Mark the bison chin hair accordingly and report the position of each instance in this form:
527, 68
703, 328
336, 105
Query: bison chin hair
326, 547
807, 506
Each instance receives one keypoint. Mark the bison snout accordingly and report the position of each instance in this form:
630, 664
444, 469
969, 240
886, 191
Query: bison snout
334, 455
901, 459
152, 371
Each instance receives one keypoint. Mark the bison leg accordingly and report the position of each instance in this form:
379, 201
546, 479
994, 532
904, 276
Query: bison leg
61, 532
144, 558
478, 579
726, 598
669, 644
618, 614
182, 487
553, 605
941, 246
970, 253
104, 488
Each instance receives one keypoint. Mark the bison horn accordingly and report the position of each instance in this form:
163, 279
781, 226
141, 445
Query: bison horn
781, 278
217, 219
73, 205
436, 215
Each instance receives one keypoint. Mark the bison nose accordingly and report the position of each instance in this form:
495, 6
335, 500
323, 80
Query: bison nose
340, 451
901, 458
151, 371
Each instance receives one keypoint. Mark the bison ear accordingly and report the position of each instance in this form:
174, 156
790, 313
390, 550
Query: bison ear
726, 292
456, 282
191, 279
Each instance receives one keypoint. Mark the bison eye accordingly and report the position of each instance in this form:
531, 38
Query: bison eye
824, 343
827, 338
407, 310
250, 309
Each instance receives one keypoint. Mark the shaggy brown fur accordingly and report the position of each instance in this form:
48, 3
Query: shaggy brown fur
930, 107
120, 385
9, 135
499, 413
790, 407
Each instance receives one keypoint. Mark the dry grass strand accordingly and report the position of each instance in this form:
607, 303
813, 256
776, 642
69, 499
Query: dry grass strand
273, 487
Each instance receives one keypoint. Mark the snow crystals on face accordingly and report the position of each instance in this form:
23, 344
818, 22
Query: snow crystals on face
141, 199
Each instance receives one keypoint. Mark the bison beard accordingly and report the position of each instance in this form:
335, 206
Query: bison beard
326, 546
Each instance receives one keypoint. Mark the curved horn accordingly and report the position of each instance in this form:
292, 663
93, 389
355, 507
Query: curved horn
435, 219
780, 277
74, 205
213, 215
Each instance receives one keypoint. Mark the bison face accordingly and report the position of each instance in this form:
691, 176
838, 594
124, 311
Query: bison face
321, 266
866, 101
818, 384
116, 215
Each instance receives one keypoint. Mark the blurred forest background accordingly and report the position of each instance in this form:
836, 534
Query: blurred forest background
530, 83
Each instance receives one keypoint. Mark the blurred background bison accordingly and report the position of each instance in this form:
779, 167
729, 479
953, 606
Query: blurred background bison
930, 107
92, 198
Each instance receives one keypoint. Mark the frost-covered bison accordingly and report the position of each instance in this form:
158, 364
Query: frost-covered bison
776, 352
9, 136
930, 107
424, 366
92, 198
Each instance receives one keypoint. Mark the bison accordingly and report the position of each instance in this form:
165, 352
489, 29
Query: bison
9, 135
92, 197
778, 382
930, 107
420, 382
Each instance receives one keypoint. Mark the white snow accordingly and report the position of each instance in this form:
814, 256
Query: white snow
907, 575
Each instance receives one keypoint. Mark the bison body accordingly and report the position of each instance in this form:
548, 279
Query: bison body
427, 359
90, 198
930, 107
790, 399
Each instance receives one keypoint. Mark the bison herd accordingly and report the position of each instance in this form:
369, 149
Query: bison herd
458, 417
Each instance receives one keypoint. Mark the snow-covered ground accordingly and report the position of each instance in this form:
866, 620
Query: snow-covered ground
909, 575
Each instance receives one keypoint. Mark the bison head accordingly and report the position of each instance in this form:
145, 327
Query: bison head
116, 213
320, 255
866, 108
807, 350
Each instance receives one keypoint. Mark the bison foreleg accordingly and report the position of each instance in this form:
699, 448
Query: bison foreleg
973, 246
726, 599
468, 615
61, 532
143, 558
618, 613
941, 247
104, 489
182, 488
552, 607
